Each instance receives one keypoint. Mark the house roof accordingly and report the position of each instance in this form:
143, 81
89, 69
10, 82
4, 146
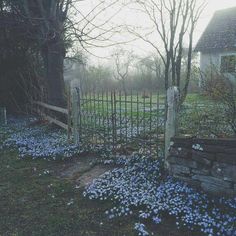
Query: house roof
220, 32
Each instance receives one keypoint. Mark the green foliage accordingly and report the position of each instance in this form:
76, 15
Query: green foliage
212, 114
203, 120
18, 58
221, 88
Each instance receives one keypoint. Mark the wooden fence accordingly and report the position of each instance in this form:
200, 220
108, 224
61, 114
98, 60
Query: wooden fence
115, 121
3, 116
45, 110
111, 120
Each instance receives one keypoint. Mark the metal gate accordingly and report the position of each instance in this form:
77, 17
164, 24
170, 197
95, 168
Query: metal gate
120, 122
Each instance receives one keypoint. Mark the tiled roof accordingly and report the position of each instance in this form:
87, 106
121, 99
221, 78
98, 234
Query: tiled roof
220, 32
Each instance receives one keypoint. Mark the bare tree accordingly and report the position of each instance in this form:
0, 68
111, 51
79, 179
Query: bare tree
152, 64
53, 26
123, 61
173, 24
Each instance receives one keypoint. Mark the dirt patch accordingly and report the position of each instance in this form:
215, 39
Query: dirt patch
81, 165
84, 171
88, 177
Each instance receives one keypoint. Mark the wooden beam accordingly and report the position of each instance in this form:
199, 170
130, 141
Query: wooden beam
51, 107
75, 112
55, 121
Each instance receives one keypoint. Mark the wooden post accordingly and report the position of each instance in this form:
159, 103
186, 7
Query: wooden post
171, 121
69, 131
3, 116
75, 112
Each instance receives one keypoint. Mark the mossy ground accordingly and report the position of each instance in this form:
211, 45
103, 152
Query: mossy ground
34, 203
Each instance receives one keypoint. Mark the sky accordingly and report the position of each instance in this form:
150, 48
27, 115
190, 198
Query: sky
132, 17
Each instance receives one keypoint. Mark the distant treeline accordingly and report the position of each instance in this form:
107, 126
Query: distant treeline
144, 74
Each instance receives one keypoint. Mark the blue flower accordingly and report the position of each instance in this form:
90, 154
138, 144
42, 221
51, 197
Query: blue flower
37, 141
138, 183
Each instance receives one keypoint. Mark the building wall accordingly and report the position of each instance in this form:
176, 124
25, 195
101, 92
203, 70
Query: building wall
209, 59
213, 60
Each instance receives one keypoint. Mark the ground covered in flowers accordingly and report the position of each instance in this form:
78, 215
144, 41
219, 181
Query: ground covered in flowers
135, 198
138, 188
36, 141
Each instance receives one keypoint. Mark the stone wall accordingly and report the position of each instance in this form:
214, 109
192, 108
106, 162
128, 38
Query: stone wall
209, 164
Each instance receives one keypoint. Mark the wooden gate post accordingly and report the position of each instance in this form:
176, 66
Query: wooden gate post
69, 121
171, 121
3, 116
75, 113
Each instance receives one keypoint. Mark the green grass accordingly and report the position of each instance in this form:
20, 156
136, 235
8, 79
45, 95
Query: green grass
196, 98
124, 103
32, 203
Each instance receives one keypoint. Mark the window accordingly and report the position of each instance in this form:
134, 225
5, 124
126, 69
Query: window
228, 64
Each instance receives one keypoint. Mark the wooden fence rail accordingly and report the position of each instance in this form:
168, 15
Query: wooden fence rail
113, 121
53, 108
43, 108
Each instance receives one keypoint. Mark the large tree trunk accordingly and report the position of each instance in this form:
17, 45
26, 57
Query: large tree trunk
55, 79
53, 56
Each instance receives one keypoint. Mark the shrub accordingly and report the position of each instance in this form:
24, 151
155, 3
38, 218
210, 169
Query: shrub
221, 89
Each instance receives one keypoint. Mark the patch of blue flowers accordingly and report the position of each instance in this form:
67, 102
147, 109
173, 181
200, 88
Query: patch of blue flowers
141, 229
36, 141
139, 185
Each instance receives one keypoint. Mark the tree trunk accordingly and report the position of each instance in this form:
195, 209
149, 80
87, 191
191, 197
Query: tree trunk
189, 67
53, 57
123, 86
